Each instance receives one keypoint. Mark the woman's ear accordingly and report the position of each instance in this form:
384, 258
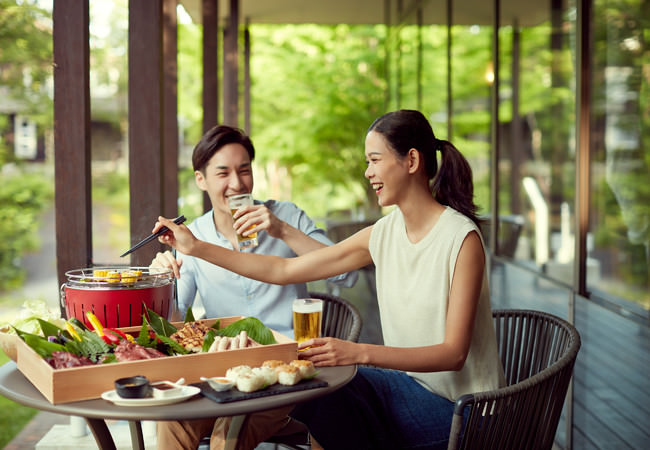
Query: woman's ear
199, 179
414, 160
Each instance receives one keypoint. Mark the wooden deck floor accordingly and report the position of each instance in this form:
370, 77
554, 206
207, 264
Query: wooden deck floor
612, 372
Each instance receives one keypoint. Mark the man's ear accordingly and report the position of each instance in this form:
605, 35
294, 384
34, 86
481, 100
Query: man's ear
199, 179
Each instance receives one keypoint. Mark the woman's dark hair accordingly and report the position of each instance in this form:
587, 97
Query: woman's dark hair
215, 138
452, 185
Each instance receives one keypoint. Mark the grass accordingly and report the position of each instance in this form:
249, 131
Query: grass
13, 417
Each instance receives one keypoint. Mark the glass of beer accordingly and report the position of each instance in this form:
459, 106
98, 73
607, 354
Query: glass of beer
235, 202
307, 318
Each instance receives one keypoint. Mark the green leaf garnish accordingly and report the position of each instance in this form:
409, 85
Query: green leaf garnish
208, 339
189, 316
313, 375
160, 325
143, 338
91, 346
256, 330
109, 358
41, 345
173, 346
49, 329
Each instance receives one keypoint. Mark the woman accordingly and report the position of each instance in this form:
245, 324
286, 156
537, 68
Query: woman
439, 341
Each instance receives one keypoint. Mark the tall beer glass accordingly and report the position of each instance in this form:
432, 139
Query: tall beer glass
235, 202
307, 318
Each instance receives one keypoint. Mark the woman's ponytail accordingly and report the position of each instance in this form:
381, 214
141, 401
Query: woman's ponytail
452, 184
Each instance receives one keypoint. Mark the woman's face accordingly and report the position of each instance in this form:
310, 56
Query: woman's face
228, 172
386, 171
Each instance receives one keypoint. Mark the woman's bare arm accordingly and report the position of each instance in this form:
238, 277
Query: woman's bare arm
449, 355
348, 255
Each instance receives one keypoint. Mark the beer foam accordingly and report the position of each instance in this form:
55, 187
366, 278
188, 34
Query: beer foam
306, 308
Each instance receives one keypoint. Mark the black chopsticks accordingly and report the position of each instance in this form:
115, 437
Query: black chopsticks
163, 230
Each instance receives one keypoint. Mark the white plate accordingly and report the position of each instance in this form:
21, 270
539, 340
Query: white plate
184, 394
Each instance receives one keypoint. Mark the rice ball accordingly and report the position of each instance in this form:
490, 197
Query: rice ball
272, 363
234, 372
305, 367
249, 382
270, 375
288, 375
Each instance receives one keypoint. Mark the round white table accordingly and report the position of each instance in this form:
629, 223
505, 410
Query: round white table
19, 389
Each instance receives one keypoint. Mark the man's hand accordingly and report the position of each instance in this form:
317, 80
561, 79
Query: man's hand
262, 218
166, 260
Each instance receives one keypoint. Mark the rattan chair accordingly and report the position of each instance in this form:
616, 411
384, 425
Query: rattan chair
538, 351
341, 319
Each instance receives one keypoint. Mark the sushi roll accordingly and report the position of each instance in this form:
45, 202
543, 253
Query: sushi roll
272, 363
235, 372
288, 375
249, 382
270, 375
305, 367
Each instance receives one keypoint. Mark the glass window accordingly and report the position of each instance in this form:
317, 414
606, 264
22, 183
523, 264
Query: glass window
619, 242
537, 123
471, 81
108, 32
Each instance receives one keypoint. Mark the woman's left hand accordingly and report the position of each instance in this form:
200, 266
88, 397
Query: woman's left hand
329, 351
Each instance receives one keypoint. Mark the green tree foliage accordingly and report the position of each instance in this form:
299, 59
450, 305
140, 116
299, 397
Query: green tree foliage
108, 41
25, 73
315, 92
26, 57
22, 197
621, 81
189, 83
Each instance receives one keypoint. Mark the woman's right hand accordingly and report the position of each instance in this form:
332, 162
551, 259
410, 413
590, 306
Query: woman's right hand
167, 261
328, 351
179, 236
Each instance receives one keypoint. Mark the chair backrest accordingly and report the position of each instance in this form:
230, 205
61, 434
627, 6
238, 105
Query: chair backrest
340, 318
538, 352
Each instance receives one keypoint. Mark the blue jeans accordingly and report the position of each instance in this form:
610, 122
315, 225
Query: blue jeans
378, 409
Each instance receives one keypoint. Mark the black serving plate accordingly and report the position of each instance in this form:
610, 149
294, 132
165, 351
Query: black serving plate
233, 395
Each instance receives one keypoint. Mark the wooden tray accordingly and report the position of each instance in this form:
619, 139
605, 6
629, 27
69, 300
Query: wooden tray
88, 382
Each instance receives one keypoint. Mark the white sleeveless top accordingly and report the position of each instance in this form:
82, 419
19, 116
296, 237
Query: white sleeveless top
413, 285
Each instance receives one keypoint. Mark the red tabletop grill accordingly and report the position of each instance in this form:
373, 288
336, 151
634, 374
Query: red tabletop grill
118, 297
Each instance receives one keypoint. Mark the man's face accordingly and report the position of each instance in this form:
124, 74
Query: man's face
227, 173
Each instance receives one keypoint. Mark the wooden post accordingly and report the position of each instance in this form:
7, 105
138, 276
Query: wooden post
170, 110
72, 137
145, 124
210, 12
231, 66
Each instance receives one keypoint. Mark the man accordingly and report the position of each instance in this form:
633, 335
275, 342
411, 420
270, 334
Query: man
222, 162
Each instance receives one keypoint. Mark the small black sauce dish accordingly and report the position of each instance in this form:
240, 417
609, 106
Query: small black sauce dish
133, 387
